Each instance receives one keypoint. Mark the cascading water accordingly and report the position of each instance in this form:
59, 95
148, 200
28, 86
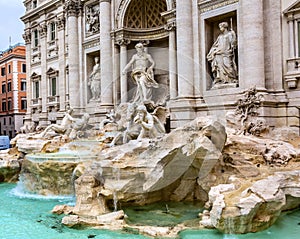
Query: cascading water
116, 176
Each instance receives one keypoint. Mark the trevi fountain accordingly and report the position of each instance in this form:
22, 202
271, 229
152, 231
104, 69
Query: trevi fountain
211, 178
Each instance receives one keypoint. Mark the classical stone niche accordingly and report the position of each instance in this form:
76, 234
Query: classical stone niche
220, 75
142, 20
90, 64
145, 14
92, 21
292, 75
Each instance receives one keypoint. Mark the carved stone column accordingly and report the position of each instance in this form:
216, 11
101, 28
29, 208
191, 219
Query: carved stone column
252, 61
170, 16
27, 39
123, 77
60, 23
184, 48
44, 81
106, 53
72, 9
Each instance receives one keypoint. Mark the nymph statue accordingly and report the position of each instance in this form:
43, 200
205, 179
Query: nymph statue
95, 80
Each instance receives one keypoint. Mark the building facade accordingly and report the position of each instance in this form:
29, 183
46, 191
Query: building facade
13, 89
63, 39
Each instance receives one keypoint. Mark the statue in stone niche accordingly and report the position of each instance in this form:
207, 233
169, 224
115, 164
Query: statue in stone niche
221, 56
64, 127
95, 80
150, 124
142, 74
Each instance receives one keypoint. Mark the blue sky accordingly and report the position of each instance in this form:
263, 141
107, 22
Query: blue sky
10, 23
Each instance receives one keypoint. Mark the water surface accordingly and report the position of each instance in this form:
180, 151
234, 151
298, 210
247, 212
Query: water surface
30, 218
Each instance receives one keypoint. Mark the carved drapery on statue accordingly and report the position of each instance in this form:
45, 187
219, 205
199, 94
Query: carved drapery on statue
94, 81
142, 66
222, 57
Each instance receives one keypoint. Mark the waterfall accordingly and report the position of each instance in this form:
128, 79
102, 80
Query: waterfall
116, 176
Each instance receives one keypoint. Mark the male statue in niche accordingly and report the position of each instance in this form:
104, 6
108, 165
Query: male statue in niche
142, 74
221, 56
94, 81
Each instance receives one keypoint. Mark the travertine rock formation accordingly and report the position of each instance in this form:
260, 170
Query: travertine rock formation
143, 171
253, 208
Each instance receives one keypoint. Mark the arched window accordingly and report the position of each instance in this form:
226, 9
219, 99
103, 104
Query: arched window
145, 14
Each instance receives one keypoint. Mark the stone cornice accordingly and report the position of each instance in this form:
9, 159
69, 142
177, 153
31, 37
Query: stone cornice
139, 34
43, 7
208, 5
170, 17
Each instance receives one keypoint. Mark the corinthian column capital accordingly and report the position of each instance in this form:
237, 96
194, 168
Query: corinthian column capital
72, 7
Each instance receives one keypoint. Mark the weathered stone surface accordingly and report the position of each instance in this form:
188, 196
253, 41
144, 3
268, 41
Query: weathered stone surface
10, 166
144, 171
255, 208
140, 169
62, 209
28, 144
88, 200
110, 217
48, 177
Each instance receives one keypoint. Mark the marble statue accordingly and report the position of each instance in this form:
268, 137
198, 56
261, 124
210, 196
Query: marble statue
28, 128
110, 118
94, 80
151, 126
127, 129
142, 74
78, 126
221, 56
64, 127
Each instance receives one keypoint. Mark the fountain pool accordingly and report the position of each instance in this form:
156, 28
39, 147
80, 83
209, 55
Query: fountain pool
30, 218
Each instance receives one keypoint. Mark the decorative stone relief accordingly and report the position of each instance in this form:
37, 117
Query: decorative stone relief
43, 30
27, 36
205, 6
247, 109
92, 22
61, 23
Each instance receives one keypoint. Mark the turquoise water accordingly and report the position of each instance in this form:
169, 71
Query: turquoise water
30, 218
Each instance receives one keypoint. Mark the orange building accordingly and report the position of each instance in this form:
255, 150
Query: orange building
13, 102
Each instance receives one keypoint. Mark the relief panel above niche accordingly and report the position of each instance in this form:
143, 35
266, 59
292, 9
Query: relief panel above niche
92, 23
